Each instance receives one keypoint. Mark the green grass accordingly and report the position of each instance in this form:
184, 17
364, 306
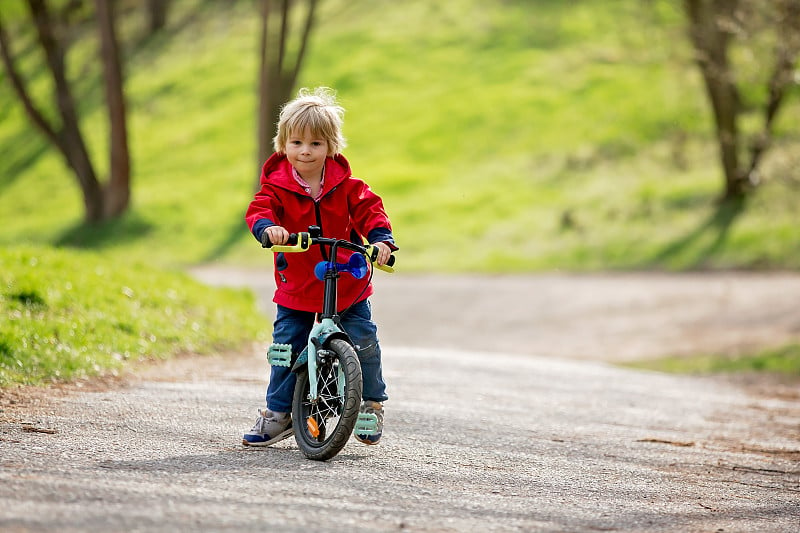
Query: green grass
68, 315
505, 136
485, 131
779, 360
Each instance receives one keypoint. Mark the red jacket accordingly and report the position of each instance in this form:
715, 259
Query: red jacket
347, 209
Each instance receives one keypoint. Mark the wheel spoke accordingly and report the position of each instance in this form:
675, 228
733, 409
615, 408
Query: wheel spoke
327, 410
339, 384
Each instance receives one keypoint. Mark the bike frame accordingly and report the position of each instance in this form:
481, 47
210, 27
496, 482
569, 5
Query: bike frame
327, 327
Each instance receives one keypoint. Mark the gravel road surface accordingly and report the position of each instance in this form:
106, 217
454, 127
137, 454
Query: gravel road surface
505, 415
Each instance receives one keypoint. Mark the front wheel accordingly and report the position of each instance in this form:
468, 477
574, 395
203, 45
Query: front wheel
323, 425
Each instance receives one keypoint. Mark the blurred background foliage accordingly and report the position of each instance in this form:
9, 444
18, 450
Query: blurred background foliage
503, 135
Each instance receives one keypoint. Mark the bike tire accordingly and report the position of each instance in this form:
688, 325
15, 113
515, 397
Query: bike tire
335, 415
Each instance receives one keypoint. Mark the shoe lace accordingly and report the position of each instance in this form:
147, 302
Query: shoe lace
260, 421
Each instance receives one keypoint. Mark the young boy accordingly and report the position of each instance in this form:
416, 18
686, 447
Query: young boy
307, 181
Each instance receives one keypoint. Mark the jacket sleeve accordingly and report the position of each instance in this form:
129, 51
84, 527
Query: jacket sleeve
264, 211
368, 214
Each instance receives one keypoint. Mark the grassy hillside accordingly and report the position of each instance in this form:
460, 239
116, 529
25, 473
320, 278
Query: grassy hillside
524, 135
69, 315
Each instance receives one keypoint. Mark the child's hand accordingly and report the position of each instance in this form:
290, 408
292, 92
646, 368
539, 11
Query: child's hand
277, 234
384, 252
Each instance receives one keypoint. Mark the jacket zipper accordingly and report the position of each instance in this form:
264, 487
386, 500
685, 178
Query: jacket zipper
318, 216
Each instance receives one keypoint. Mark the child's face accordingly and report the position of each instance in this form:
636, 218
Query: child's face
307, 152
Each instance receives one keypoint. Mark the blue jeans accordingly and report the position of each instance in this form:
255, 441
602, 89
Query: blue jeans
292, 327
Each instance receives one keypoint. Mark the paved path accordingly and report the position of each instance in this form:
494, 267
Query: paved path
476, 439
617, 318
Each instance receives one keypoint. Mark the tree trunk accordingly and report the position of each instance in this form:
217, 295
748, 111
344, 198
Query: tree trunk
277, 78
157, 14
709, 23
266, 116
712, 24
70, 139
100, 203
786, 52
117, 191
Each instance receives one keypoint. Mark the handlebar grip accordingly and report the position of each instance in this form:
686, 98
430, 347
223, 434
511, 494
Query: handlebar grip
297, 242
266, 243
385, 268
372, 254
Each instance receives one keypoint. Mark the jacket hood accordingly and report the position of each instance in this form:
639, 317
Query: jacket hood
278, 171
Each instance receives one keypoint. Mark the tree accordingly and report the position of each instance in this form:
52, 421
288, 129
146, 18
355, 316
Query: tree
100, 202
118, 188
277, 73
714, 27
157, 14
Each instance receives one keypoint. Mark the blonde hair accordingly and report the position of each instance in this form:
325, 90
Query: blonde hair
316, 110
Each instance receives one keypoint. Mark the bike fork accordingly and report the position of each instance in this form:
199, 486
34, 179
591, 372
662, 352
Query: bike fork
281, 355
321, 330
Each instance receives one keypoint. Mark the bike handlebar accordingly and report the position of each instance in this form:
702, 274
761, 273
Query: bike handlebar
302, 242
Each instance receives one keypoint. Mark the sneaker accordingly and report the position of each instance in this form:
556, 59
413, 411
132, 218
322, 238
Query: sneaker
375, 408
269, 428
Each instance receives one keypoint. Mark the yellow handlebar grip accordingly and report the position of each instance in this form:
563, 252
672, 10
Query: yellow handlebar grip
302, 245
372, 254
385, 268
